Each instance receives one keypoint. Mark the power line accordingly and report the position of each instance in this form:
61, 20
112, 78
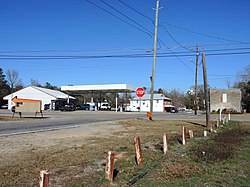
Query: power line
118, 49
72, 50
161, 55
112, 56
176, 40
126, 16
136, 27
180, 53
149, 34
137, 11
207, 35
107, 50
182, 28
222, 54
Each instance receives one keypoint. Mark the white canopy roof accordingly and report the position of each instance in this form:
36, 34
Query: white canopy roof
107, 88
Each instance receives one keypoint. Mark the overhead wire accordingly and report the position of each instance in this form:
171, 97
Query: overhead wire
118, 49
169, 55
137, 11
126, 16
189, 49
157, 37
72, 50
207, 35
188, 30
149, 34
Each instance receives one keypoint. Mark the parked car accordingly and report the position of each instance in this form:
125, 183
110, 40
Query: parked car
174, 110
88, 107
85, 107
5, 106
79, 107
68, 107
105, 106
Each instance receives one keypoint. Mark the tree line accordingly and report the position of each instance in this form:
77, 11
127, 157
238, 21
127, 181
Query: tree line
11, 82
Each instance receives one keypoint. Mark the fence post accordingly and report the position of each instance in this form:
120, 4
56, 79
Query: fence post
110, 160
224, 120
191, 134
165, 143
205, 133
138, 150
218, 123
43, 180
184, 135
211, 126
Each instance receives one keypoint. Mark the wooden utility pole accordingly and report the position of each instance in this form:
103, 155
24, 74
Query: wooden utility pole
154, 60
206, 90
196, 81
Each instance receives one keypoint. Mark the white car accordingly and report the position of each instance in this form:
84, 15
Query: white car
105, 106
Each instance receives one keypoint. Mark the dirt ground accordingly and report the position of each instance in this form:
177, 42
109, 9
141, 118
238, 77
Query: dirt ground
22, 156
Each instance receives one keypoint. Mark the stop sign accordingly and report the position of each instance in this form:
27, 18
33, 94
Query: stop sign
140, 92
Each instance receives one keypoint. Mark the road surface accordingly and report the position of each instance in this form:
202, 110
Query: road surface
57, 120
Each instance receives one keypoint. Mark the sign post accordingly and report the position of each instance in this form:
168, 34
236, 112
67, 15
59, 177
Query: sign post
140, 93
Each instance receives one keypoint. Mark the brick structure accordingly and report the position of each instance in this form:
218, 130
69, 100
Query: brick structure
225, 99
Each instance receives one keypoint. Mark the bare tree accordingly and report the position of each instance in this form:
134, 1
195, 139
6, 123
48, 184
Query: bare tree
244, 76
34, 83
13, 79
228, 83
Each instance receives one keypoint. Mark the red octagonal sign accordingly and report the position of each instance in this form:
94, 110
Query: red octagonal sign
140, 92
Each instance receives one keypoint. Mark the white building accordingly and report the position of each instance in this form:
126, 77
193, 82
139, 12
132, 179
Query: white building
160, 103
51, 99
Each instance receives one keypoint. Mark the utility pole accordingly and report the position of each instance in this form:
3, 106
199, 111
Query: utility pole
206, 90
154, 60
196, 80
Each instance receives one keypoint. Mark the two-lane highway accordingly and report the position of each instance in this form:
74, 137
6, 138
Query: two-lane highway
57, 120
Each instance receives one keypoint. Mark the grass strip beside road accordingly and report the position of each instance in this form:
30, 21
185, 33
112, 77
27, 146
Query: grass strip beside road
222, 159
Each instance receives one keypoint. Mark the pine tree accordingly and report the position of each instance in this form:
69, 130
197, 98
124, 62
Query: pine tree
4, 88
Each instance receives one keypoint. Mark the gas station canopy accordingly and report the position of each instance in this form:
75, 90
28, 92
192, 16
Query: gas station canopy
103, 88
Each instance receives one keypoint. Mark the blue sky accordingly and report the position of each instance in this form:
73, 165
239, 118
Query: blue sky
32, 29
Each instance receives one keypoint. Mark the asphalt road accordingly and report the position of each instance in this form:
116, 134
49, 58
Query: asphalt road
57, 120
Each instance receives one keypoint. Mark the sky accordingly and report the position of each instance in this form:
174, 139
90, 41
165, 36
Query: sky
83, 42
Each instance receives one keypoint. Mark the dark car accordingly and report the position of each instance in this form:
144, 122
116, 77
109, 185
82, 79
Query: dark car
174, 110
68, 107
79, 107
88, 107
4, 106
85, 107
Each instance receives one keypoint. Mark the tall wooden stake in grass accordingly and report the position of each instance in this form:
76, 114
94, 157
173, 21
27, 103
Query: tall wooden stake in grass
109, 171
138, 150
43, 180
165, 143
191, 134
218, 123
184, 132
205, 133
211, 126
